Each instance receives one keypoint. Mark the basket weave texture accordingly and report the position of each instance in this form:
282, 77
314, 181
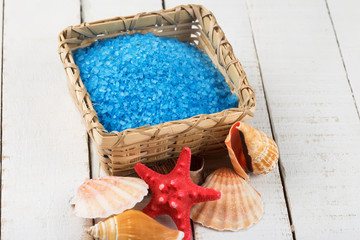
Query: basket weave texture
204, 134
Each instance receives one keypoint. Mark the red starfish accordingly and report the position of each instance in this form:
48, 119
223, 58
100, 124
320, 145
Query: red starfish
174, 193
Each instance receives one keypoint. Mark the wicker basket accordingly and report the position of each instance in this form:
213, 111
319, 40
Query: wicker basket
204, 134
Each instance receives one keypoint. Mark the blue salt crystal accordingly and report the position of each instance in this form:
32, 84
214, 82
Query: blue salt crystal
135, 80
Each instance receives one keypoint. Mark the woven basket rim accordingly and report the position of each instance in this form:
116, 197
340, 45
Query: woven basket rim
129, 17
180, 121
98, 129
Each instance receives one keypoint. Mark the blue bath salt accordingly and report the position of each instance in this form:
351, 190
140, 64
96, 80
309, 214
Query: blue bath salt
141, 79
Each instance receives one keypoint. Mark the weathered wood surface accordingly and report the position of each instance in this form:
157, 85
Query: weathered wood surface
346, 20
305, 52
1, 69
93, 10
45, 154
313, 114
234, 21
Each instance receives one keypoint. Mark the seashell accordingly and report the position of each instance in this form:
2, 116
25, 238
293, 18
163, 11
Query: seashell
105, 196
251, 150
196, 169
132, 225
238, 208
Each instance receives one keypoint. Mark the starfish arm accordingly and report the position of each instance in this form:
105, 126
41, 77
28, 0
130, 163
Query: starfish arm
150, 211
183, 163
206, 194
144, 172
183, 224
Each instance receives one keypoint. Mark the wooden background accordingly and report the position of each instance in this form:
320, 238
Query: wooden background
302, 58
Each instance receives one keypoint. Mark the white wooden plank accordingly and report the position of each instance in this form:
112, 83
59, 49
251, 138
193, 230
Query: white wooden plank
313, 114
233, 19
44, 143
93, 10
346, 18
96, 169
1, 57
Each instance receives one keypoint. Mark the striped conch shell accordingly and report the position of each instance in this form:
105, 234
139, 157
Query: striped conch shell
106, 196
133, 225
238, 208
251, 150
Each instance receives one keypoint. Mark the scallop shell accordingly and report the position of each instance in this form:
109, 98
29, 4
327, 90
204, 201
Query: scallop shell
132, 225
102, 197
238, 208
251, 150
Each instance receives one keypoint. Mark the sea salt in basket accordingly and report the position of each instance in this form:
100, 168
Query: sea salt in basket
204, 134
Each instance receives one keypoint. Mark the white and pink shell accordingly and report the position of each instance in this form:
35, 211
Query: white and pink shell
106, 196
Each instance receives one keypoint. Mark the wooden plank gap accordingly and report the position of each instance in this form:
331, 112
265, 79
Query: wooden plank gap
1, 99
88, 137
81, 11
281, 167
90, 157
342, 58
282, 178
192, 229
